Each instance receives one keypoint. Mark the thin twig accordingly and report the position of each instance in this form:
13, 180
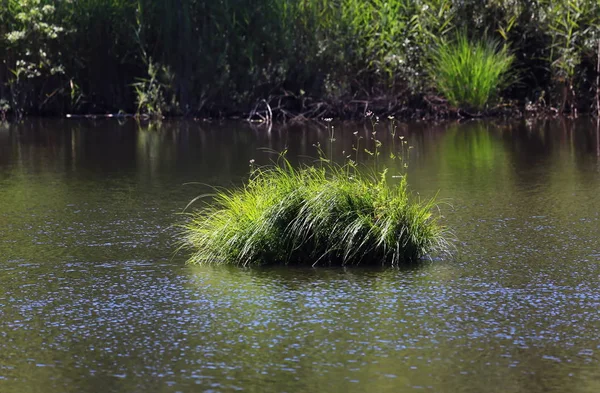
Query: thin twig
598, 83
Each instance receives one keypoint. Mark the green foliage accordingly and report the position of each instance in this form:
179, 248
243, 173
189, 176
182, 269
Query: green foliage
327, 214
34, 57
104, 55
151, 92
154, 93
573, 28
470, 74
93, 55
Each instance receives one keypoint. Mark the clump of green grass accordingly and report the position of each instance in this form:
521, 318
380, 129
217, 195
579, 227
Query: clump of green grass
470, 74
328, 214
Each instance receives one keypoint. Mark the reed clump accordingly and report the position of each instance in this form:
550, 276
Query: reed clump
471, 73
327, 214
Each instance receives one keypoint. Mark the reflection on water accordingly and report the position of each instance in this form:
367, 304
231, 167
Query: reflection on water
93, 300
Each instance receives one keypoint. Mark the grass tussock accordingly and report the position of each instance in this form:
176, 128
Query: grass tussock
316, 215
470, 74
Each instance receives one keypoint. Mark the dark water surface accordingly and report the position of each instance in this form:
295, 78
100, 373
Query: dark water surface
92, 299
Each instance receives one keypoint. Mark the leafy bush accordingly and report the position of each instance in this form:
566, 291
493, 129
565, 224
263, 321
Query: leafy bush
32, 53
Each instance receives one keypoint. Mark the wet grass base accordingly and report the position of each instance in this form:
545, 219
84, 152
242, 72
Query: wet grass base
327, 215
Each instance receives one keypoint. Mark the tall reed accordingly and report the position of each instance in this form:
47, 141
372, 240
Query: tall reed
470, 74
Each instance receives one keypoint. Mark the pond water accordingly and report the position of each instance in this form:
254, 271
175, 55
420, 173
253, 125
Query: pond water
93, 299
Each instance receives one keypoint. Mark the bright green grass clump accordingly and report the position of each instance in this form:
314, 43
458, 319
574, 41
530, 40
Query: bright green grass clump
470, 74
315, 215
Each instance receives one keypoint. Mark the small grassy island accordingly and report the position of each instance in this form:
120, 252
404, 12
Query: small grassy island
322, 214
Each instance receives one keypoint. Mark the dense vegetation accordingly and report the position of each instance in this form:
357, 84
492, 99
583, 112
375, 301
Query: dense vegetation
304, 56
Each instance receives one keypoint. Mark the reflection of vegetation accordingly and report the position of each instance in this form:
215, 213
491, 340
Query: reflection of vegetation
309, 323
472, 147
52, 200
154, 147
464, 158
165, 327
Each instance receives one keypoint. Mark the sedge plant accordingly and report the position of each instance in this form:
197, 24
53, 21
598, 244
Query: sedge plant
470, 74
328, 214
